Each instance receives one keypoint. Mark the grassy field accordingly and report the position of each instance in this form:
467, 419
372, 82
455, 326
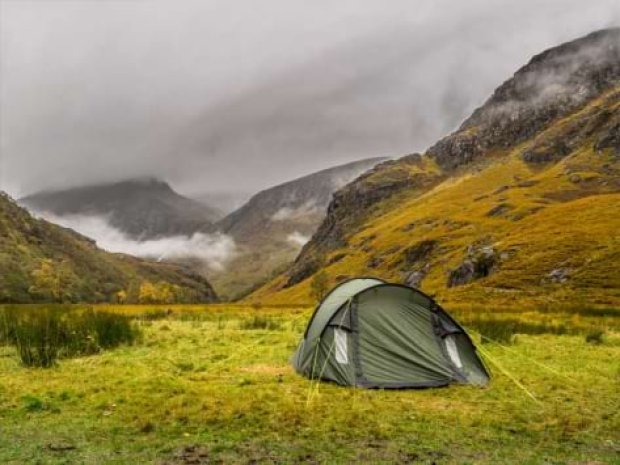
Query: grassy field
213, 385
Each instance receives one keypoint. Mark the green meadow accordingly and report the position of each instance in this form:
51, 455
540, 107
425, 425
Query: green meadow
213, 384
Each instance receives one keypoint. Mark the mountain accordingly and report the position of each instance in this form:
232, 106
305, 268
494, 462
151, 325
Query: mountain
520, 202
40, 261
225, 202
141, 208
271, 227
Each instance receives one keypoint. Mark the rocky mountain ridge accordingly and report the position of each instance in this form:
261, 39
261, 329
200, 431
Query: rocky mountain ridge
144, 208
549, 136
553, 84
306, 196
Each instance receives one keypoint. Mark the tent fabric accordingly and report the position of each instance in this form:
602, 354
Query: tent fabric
370, 333
334, 301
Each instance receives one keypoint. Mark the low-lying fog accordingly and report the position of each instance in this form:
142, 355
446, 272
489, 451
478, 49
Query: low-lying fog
214, 250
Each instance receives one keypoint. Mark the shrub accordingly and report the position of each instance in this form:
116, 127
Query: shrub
33, 404
595, 336
111, 329
38, 338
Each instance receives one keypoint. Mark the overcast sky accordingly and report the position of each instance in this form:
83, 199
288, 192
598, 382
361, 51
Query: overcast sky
231, 95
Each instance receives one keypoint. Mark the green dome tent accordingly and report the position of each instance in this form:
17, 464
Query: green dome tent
370, 333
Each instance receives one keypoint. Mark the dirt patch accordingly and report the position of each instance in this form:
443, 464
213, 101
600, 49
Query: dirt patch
60, 446
190, 455
500, 210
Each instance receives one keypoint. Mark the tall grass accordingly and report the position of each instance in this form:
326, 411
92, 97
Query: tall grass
42, 334
504, 330
260, 322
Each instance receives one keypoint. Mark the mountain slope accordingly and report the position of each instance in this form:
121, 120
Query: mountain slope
520, 202
292, 201
40, 261
141, 208
271, 227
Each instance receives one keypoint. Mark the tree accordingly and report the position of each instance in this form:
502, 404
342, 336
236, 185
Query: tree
319, 285
121, 296
53, 280
148, 293
165, 292
161, 292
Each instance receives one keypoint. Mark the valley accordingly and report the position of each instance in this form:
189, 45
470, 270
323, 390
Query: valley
470, 219
186, 214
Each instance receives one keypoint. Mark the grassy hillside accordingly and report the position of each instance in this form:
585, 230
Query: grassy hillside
214, 385
517, 207
43, 262
549, 228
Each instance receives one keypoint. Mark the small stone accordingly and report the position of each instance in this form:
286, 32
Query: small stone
414, 279
374, 262
559, 275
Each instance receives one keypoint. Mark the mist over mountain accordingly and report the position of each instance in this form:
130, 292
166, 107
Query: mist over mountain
271, 227
142, 209
225, 201
204, 96
143, 217
296, 203
147, 218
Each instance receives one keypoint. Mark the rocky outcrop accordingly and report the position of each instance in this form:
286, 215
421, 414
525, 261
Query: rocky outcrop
610, 139
415, 278
416, 259
501, 209
418, 252
553, 84
480, 262
554, 145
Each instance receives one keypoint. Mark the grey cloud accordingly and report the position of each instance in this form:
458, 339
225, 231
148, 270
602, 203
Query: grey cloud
217, 97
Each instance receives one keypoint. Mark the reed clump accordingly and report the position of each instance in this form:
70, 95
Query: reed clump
43, 334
